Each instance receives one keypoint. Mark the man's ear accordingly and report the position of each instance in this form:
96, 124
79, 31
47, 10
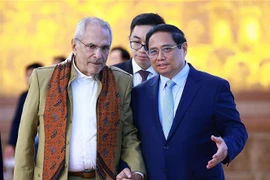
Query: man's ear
185, 47
73, 46
129, 41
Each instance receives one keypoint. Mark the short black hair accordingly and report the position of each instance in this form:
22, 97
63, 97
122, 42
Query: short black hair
177, 35
124, 53
33, 66
60, 58
151, 19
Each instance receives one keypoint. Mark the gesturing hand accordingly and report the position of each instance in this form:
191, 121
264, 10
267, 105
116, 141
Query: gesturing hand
221, 153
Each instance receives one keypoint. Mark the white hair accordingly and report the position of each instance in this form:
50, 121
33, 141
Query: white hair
81, 26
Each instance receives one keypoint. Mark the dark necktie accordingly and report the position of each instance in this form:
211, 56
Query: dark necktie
144, 74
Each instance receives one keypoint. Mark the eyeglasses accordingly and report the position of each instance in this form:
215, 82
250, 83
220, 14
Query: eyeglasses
92, 47
166, 50
136, 45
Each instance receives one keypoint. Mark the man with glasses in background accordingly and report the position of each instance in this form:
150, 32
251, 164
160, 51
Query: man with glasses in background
187, 119
139, 66
82, 109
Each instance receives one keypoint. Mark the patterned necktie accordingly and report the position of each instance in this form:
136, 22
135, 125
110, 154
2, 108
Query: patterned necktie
168, 108
144, 74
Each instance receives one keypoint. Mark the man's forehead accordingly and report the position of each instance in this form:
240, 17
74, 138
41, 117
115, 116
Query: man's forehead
95, 34
140, 31
162, 40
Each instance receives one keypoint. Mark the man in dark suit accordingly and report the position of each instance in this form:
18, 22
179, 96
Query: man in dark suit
187, 119
139, 66
1, 162
10, 148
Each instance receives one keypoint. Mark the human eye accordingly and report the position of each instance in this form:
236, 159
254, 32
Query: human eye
135, 43
166, 49
105, 48
91, 46
153, 52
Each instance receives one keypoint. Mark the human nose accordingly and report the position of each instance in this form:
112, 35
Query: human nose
98, 52
160, 55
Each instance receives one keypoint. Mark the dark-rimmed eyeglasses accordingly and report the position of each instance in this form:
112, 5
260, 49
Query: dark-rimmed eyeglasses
136, 45
92, 47
166, 50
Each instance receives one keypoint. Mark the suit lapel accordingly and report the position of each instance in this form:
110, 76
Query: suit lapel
190, 90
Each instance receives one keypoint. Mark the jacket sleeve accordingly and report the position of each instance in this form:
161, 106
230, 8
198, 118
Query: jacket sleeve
16, 121
131, 150
233, 131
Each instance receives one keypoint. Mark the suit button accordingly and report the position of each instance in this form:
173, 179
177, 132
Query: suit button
166, 147
164, 170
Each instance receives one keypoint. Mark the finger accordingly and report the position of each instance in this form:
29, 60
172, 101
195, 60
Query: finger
121, 175
218, 154
212, 163
127, 172
221, 153
124, 174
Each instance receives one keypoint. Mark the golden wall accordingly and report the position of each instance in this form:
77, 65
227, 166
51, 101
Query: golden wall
229, 38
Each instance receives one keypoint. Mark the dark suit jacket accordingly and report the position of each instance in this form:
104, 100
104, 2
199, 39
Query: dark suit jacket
1, 162
126, 66
16, 120
206, 108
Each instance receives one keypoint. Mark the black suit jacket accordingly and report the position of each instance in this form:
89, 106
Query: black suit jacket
16, 120
126, 66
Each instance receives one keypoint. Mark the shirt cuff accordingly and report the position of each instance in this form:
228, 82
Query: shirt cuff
140, 174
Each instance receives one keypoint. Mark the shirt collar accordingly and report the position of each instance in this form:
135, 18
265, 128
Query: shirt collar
137, 68
179, 78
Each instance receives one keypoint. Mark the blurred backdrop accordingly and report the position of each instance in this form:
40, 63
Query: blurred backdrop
228, 38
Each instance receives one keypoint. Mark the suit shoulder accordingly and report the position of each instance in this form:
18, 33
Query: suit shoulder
126, 66
211, 77
122, 64
119, 71
45, 69
44, 72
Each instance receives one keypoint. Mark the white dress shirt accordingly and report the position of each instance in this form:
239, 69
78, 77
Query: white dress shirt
137, 79
180, 81
83, 139
84, 123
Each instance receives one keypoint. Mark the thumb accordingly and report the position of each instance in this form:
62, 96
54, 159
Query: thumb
216, 139
127, 172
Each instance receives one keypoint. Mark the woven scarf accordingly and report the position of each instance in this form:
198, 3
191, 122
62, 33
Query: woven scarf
55, 120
